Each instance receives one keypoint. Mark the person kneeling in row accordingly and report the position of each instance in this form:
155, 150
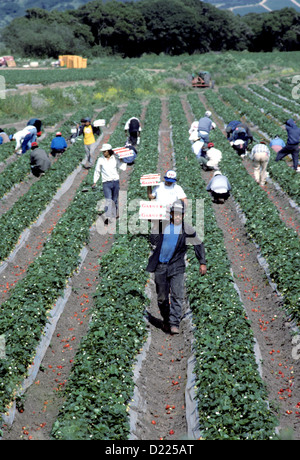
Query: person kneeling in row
219, 188
39, 160
211, 158
58, 144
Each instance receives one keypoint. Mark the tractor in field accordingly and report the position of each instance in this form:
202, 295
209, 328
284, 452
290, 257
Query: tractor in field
202, 80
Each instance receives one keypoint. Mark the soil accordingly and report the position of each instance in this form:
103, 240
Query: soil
160, 411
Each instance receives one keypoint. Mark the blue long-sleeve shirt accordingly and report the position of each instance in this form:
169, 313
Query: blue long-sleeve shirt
58, 143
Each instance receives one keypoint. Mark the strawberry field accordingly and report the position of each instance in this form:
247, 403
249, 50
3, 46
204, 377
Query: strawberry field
84, 355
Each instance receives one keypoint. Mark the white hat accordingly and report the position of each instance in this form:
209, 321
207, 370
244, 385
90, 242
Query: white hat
216, 173
177, 206
170, 176
106, 147
208, 113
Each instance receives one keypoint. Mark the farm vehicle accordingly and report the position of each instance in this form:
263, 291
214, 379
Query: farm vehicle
202, 80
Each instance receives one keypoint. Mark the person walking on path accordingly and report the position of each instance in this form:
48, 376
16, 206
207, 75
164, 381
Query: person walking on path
39, 160
219, 187
260, 155
167, 262
109, 166
169, 191
292, 145
90, 143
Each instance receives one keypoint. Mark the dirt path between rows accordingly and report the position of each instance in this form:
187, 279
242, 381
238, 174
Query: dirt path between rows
163, 376
271, 327
161, 409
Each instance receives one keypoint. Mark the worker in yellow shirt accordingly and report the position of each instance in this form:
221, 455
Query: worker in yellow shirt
90, 143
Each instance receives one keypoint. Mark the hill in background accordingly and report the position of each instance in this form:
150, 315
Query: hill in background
243, 7
17, 8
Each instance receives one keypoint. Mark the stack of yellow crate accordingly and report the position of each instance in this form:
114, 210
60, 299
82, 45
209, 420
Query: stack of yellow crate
72, 62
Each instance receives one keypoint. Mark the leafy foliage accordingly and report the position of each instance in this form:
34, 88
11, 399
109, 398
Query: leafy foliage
134, 28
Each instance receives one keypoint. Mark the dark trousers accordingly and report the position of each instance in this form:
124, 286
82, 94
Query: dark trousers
289, 150
133, 137
36, 171
54, 152
111, 193
170, 294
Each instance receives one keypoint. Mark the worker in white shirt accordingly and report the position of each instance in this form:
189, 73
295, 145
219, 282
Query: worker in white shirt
219, 187
24, 139
109, 166
211, 159
169, 191
260, 155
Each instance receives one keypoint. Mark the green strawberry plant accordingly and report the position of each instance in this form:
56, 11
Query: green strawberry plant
101, 384
230, 393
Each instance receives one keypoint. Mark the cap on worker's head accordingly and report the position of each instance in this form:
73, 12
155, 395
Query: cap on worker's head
170, 176
85, 119
58, 133
210, 144
217, 173
39, 133
106, 147
177, 206
208, 113
34, 144
11, 137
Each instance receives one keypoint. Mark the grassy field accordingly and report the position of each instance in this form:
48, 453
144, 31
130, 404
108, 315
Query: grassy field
117, 79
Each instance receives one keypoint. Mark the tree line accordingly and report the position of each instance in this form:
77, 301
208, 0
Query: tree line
132, 28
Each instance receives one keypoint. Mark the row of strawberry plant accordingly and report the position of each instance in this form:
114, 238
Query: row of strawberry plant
6, 149
19, 169
247, 110
286, 87
283, 175
29, 206
14, 77
279, 108
230, 393
101, 384
24, 315
278, 244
